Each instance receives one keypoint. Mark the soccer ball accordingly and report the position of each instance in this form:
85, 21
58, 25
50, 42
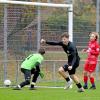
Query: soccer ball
7, 83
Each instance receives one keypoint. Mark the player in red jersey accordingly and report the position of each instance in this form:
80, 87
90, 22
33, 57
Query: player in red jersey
91, 61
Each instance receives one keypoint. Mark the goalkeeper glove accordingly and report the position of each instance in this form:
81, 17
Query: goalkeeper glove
41, 74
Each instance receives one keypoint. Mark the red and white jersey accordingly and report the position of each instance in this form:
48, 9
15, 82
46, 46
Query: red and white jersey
93, 51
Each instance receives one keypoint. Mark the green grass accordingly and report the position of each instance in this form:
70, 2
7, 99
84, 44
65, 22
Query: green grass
49, 94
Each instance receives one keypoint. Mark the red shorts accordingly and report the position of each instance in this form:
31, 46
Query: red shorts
90, 67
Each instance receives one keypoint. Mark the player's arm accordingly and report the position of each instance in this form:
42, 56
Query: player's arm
37, 66
51, 42
96, 51
84, 50
38, 69
73, 54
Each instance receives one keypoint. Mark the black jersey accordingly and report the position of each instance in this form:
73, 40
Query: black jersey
70, 50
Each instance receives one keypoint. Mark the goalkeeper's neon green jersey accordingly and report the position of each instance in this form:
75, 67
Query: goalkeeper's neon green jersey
30, 62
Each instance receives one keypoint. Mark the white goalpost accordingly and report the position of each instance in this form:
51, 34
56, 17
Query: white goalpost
69, 6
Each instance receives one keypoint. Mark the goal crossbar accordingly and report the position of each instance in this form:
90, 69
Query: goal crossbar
69, 6
36, 3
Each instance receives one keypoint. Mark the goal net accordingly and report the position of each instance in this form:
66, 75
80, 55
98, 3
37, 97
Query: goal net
22, 25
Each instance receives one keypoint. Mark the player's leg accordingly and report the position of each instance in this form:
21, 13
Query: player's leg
85, 78
62, 72
78, 84
85, 75
76, 79
91, 76
27, 76
34, 78
93, 86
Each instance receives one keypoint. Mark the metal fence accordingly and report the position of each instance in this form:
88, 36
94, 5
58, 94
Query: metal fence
23, 23
48, 67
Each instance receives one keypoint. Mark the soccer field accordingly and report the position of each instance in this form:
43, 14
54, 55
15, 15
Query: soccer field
49, 94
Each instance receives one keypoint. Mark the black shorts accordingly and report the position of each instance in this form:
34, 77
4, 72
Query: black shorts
27, 73
73, 70
33, 71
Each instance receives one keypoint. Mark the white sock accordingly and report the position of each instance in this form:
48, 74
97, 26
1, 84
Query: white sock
19, 86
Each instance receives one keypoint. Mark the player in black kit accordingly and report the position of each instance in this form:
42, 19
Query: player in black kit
73, 60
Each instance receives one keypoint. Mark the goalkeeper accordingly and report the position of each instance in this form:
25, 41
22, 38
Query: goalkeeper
31, 65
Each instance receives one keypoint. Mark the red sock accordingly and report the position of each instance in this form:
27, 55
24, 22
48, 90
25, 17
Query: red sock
85, 79
92, 80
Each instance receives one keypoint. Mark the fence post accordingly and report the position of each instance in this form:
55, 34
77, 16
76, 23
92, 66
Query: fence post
54, 73
17, 72
5, 41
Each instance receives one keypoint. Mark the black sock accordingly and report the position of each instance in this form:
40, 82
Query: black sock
67, 79
32, 86
79, 85
24, 83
